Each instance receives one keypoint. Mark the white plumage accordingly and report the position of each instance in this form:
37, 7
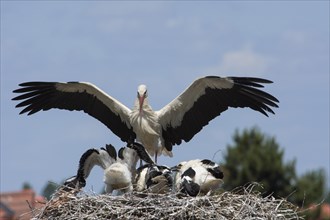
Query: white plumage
198, 176
119, 171
158, 131
154, 179
120, 175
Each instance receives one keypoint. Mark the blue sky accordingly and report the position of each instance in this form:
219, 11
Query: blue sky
165, 45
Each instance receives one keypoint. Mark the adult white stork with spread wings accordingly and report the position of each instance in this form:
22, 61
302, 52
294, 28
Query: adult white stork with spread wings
158, 131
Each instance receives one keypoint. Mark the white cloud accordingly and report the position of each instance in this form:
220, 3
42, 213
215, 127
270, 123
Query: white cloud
173, 23
241, 62
191, 25
124, 9
294, 37
119, 24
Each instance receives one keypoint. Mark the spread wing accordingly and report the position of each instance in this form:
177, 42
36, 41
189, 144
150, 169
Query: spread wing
80, 96
205, 99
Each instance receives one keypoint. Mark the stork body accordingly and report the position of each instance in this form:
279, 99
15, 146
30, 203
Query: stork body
144, 122
119, 175
198, 176
154, 178
158, 131
119, 171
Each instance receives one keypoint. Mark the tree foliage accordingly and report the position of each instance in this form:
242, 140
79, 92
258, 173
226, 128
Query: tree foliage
256, 157
310, 188
26, 185
49, 189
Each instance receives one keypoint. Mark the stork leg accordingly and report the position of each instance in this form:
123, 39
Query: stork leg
108, 189
156, 157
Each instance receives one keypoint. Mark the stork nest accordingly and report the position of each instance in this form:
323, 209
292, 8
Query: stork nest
242, 203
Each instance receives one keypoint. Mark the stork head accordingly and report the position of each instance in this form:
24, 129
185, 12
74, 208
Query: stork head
142, 94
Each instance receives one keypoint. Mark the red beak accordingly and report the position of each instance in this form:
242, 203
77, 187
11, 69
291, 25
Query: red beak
141, 100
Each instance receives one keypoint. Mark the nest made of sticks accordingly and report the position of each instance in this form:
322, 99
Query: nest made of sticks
242, 203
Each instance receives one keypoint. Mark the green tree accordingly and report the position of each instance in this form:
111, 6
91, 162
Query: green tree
26, 185
327, 197
310, 188
255, 157
49, 189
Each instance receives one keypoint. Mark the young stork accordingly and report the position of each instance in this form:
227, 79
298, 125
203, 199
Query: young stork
198, 176
158, 131
154, 178
119, 171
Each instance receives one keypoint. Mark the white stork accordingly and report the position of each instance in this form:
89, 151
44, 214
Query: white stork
198, 176
103, 157
158, 131
119, 171
154, 178
120, 175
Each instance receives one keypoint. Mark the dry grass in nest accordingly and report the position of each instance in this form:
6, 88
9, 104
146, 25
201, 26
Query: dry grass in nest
243, 203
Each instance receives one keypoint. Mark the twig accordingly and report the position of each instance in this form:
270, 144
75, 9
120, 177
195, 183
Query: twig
242, 203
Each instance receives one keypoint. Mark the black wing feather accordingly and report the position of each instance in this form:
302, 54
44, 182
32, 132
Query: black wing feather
244, 93
37, 96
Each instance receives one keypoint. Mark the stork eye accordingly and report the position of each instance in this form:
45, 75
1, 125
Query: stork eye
145, 94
